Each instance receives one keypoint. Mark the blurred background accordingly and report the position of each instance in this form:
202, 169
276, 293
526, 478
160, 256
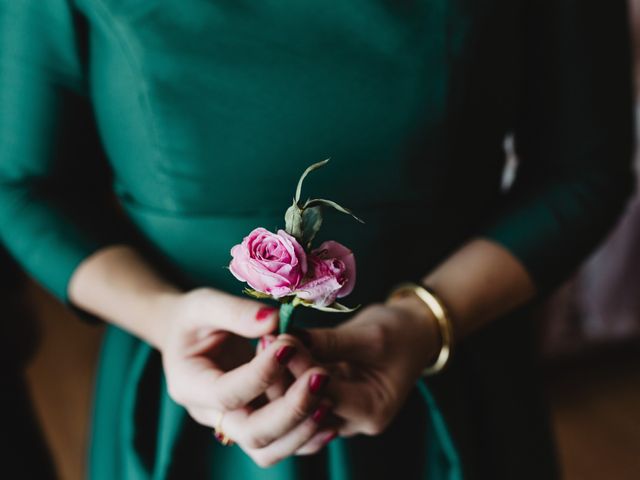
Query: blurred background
589, 351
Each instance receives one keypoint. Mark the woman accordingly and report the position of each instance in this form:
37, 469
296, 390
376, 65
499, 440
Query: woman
208, 111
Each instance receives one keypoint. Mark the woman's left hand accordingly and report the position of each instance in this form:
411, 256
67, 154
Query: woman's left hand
378, 357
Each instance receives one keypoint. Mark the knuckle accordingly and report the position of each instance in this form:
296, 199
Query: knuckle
378, 422
300, 405
265, 374
299, 410
195, 299
374, 426
256, 442
379, 412
227, 401
371, 429
198, 302
191, 307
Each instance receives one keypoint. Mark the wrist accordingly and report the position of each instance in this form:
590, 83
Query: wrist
161, 311
436, 310
423, 328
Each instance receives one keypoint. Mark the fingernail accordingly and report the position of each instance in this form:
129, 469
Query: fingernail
264, 312
302, 335
321, 412
329, 437
317, 382
285, 353
265, 341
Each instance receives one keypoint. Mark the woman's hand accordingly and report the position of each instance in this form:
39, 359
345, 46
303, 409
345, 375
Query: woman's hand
211, 368
378, 355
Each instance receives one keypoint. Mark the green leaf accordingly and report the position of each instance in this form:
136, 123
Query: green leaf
293, 221
344, 308
309, 169
332, 204
311, 223
256, 294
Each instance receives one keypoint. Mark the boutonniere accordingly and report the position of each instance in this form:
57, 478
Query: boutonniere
285, 267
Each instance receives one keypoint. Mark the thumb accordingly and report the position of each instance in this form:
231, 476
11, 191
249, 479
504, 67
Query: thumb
244, 317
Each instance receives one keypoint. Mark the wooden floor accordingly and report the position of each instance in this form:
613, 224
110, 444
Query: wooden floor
61, 381
595, 402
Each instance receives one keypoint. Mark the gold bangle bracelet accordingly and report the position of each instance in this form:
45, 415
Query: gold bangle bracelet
443, 320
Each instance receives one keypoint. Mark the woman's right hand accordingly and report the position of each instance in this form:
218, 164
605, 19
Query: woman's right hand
211, 368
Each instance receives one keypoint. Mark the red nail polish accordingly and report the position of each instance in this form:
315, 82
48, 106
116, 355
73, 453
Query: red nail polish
263, 343
317, 382
321, 412
265, 312
329, 437
285, 353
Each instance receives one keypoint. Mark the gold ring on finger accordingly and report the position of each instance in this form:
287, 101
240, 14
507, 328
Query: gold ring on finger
218, 433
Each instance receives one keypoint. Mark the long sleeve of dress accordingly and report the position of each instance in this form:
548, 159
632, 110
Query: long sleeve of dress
50, 217
574, 136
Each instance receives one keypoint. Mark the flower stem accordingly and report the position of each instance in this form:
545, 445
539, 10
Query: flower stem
286, 312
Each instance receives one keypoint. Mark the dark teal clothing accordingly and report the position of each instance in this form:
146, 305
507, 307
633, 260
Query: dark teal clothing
207, 111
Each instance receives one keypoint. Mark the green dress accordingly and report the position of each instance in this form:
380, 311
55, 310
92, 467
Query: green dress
200, 116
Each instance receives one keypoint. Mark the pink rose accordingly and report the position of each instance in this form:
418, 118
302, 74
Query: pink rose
269, 263
332, 274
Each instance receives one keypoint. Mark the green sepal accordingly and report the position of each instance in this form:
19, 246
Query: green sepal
311, 223
293, 221
334, 307
303, 221
256, 294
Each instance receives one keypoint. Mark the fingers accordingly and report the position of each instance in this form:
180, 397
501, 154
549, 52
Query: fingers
366, 337
302, 362
277, 389
317, 442
365, 407
222, 311
282, 427
305, 435
198, 384
300, 403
